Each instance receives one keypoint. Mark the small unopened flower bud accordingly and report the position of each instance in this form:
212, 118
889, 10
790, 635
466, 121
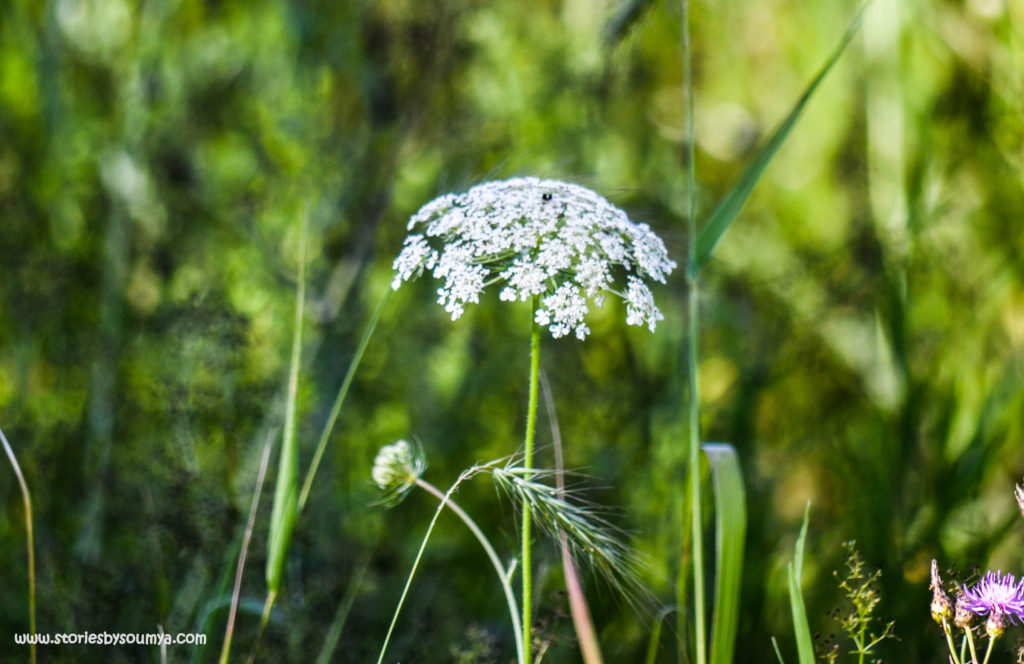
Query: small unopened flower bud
963, 616
942, 609
396, 469
995, 625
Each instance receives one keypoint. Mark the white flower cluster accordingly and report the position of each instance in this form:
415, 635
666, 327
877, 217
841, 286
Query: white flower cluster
559, 241
396, 469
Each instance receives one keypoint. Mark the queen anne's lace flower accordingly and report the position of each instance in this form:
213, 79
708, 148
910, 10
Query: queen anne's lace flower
545, 238
396, 469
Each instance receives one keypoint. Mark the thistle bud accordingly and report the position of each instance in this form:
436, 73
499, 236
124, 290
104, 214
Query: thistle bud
963, 616
995, 625
942, 609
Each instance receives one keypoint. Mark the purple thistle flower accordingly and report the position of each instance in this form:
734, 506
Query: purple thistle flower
998, 595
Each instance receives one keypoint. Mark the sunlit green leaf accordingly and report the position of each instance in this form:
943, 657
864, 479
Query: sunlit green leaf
730, 531
729, 207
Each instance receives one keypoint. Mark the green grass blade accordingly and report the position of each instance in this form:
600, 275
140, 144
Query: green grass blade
801, 628
286, 489
652, 642
731, 529
339, 400
778, 653
729, 208
626, 16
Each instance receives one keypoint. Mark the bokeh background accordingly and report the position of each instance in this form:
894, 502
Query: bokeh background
863, 321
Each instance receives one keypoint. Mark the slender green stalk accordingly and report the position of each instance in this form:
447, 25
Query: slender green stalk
988, 651
949, 641
27, 500
236, 593
531, 425
970, 643
419, 555
506, 585
693, 327
339, 401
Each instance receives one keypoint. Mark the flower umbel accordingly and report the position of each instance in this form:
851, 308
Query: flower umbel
558, 241
396, 469
998, 595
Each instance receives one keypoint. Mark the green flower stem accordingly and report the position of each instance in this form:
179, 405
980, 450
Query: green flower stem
969, 633
988, 652
531, 425
510, 597
949, 641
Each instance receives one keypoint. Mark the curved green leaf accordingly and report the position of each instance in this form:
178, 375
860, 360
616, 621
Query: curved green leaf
730, 531
729, 207
801, 628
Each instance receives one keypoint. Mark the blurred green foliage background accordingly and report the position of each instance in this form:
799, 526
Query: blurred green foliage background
863, 320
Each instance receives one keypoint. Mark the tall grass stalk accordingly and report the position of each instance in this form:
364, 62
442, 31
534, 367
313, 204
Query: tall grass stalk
531, 426
286, 488
29, 538
237, 591
700, 247
693, 328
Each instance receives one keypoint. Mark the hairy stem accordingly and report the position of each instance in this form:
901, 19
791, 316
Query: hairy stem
531, 426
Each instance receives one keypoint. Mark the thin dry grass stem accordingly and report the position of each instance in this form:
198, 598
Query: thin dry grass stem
590, 647
27, 500
236, 593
